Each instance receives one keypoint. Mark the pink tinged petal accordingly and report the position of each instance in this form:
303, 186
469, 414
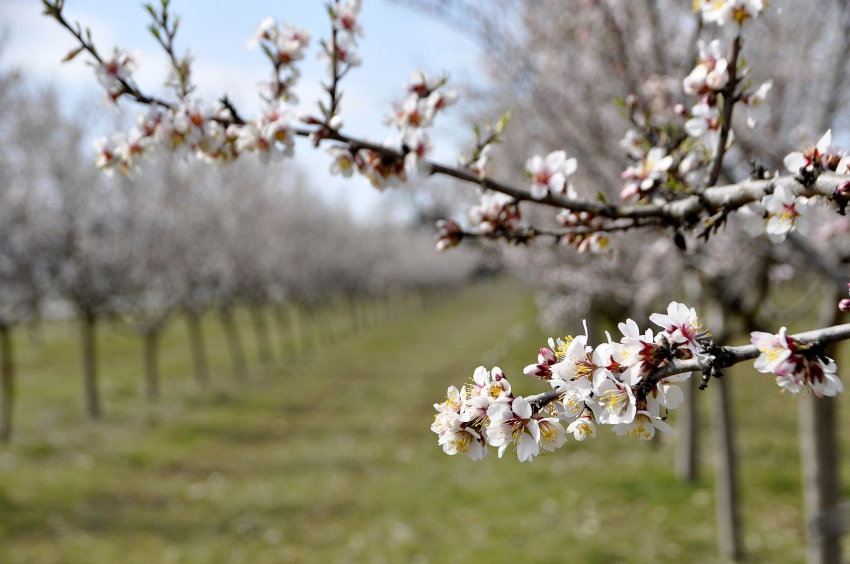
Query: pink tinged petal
764, 340
547, 356
538, 370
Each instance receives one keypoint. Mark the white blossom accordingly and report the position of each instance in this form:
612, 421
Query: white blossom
711, 74
549, 175
786, 213
795, 370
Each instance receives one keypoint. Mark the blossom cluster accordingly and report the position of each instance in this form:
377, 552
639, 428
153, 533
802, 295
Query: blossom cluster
425, 99
615, 383
798, 367
340, 54
186, 129
709, 79
722, 12
210, 132
495, 212
114, 72
607, 384
784, 211
550, 174
284, 45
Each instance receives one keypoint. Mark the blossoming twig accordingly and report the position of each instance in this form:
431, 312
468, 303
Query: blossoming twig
729, 356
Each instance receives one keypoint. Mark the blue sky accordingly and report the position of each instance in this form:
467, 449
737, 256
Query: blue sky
398, 40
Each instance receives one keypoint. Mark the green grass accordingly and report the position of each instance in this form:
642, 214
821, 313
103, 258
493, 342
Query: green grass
328, 458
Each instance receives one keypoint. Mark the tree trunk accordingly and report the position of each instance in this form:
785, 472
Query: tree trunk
280, 322
354, 315
728, 511
687, 454
234, 342
821, 475
295, 324
196, 343
7, 375
151, 366
90, 384
261, 332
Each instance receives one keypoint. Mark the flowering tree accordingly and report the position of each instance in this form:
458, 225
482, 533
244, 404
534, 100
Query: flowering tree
677, 154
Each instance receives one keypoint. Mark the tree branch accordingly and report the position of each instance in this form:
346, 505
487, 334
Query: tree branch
727, 356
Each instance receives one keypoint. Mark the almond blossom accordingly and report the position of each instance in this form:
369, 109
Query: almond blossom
410, 114
616, 403
491, 384
786, 213
549, 175
344, 17
342, 57
422, 85
682, 324
119, 68
758, 109
482, 165
797, 369
704, 125
496, 211
643, 425
418, 146
447, 412
643, 176
461, 439
105, 155
513, 425
582, 428
632, 144
819, 155
439, 100
343, 160
722, 12
711, 74
449, 234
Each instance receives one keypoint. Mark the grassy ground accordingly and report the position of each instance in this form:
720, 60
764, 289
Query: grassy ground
328, 458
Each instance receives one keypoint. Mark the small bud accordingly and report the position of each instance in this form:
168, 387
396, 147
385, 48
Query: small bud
335, 123
71, 54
